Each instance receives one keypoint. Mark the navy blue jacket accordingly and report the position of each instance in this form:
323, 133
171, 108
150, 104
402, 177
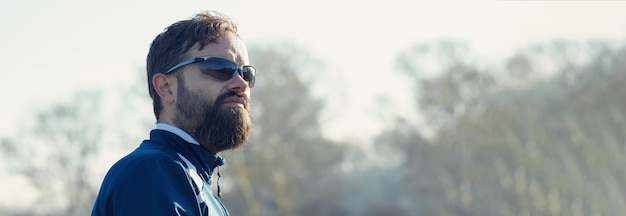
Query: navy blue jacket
165, 175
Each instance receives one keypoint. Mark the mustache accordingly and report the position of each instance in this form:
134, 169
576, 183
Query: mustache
220, 99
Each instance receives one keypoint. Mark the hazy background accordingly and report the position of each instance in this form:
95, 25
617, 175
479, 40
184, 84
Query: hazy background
361, 108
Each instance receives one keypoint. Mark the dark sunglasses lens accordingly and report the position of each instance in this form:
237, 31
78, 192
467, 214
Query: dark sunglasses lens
224, 70
249, 73
218, 68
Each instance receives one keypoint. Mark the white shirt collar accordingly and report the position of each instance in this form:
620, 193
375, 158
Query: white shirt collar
181, 133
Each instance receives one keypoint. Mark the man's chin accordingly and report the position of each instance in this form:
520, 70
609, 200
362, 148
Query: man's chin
235, 109
233, 105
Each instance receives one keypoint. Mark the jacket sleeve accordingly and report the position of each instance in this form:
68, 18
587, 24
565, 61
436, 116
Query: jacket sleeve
146, 186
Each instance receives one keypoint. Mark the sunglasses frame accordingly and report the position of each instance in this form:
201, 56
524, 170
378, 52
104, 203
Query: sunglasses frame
204, 58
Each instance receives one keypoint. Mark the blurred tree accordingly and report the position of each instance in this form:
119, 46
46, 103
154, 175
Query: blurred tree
57, 153
545, 147
447, 80
61, 153
288, 168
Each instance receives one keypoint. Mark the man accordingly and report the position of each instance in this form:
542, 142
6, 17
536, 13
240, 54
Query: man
199, 80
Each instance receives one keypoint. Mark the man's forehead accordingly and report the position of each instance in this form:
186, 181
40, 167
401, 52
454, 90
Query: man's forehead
228, 47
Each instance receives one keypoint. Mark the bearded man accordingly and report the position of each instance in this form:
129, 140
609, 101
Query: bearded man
199, 79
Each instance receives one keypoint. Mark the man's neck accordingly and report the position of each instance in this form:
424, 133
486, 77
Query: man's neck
181, 133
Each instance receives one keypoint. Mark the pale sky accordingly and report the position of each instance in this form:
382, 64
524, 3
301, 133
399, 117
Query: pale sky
51, 48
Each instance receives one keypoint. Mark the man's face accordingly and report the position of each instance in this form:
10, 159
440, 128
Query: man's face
214, 124
214, 112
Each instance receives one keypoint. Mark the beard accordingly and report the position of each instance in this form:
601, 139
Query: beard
214, 126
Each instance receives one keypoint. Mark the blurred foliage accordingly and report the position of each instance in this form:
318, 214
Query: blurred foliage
540, 133
56, 155
528, 143
60, 150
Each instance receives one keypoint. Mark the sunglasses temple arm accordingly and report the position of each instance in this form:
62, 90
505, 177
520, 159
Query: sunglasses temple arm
179, 65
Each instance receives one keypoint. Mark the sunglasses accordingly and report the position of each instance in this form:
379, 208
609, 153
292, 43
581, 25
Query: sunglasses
220, 68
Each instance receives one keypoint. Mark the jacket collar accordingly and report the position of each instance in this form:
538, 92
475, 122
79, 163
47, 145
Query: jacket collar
181, 133
185, 144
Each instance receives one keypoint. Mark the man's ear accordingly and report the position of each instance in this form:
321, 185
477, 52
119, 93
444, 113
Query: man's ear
165, 87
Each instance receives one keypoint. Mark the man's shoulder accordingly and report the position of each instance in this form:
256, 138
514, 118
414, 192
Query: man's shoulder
147, 156
149, 177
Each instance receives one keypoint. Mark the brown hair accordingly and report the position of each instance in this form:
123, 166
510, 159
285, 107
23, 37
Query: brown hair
169, 47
